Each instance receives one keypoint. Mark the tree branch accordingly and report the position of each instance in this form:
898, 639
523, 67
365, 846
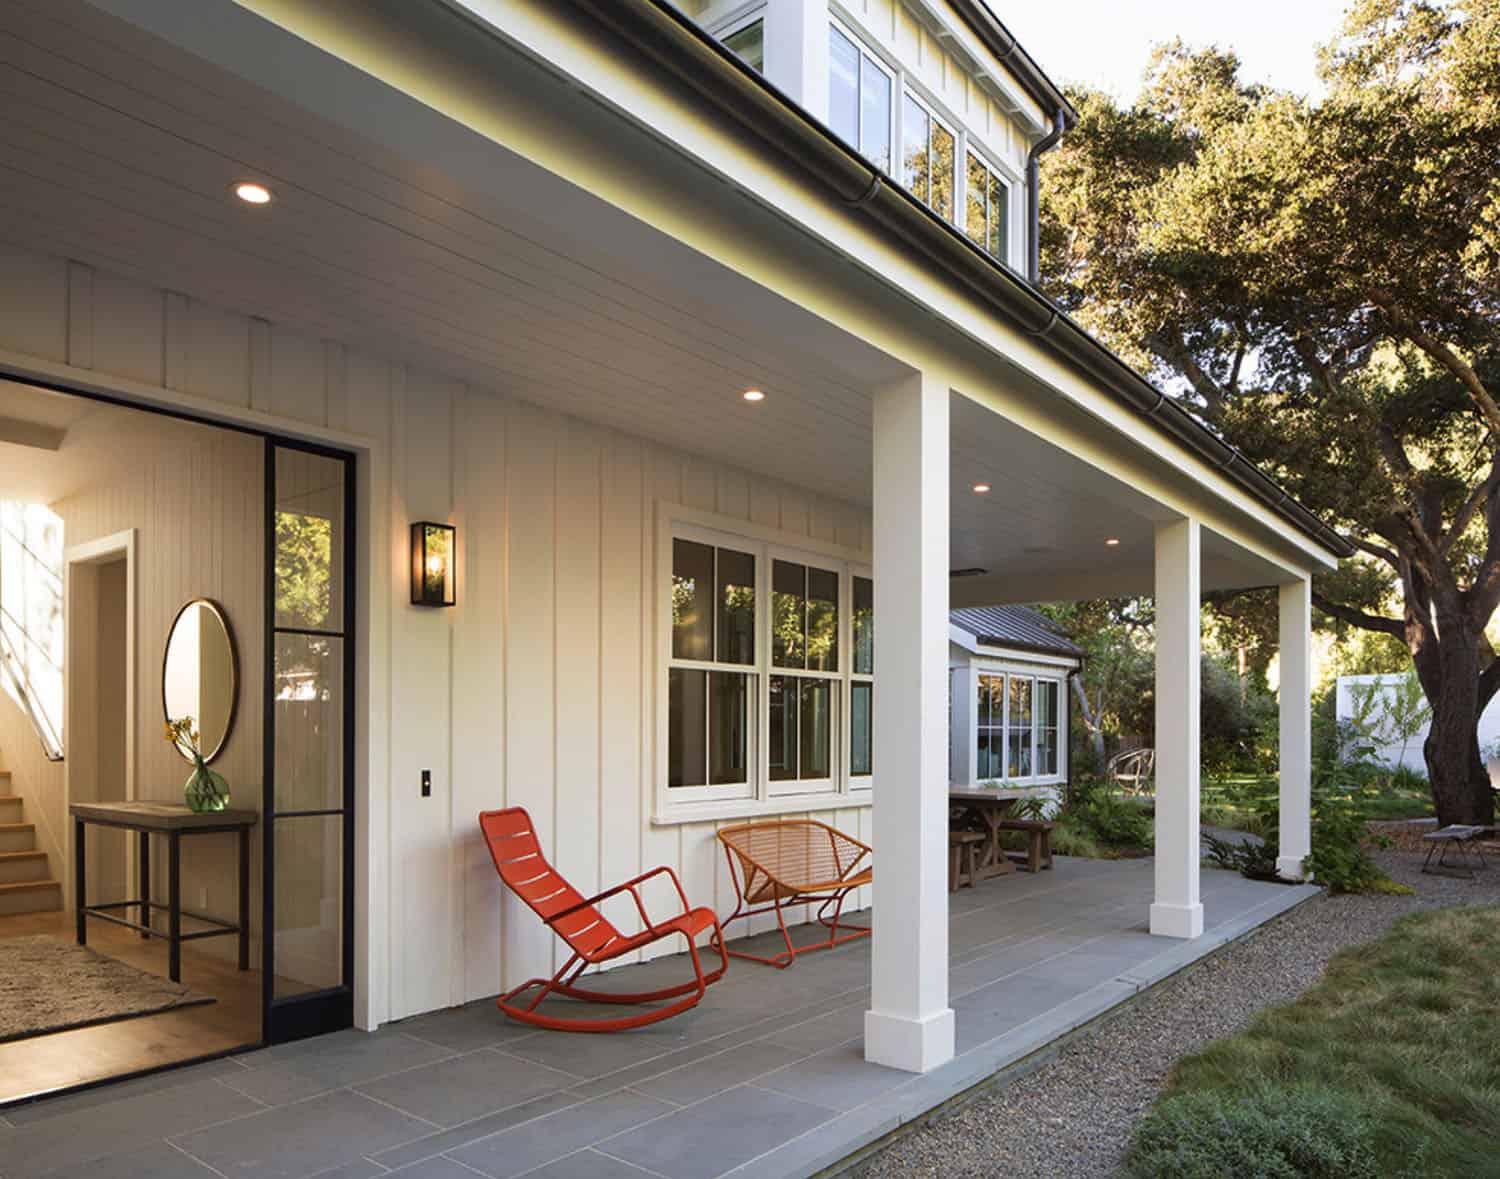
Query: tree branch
1375, 622
1175, 352
1485, 493
1460, 368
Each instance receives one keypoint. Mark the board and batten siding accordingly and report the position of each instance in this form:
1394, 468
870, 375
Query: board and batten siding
539, 688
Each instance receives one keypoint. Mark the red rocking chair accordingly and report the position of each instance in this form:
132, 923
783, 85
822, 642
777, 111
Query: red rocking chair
518, 858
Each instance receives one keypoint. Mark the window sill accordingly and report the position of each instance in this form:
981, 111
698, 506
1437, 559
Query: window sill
755, 808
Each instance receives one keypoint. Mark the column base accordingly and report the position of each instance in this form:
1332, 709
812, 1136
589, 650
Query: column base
914, 1045
1184, 921
1291, 868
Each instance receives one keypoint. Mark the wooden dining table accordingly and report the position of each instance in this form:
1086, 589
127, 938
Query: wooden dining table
988, 808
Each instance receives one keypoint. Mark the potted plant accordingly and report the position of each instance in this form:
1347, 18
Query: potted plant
206, 790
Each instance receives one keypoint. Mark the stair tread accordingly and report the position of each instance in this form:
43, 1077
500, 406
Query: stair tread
22, 855
17, 826
27, 886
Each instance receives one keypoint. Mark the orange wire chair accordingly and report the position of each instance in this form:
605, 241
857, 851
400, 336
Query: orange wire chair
795, 862
588, 933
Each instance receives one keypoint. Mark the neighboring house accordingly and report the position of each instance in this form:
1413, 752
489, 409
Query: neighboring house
1009, 671
1396, 716
721, 361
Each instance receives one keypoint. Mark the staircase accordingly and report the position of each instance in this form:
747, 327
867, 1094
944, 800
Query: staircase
26, 884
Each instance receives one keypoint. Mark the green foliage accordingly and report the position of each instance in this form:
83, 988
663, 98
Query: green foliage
1255, 860
304, 568
1339, 861
1320, 281
1104, 819
1280, 1132
1234, 715
1393, 1051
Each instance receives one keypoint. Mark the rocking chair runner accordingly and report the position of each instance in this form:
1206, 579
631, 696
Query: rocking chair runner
592, 938
795, 862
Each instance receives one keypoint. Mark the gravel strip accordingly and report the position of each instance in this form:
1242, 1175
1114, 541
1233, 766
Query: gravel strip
1073, 1117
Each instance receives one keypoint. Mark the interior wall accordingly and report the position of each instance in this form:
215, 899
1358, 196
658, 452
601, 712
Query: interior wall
198, 519
537, 689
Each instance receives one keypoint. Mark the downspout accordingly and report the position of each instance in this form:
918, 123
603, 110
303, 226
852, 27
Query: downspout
1034, 194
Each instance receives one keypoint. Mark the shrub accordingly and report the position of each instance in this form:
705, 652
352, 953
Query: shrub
1257, 861
1279, 1132
1112, 821
1339, 859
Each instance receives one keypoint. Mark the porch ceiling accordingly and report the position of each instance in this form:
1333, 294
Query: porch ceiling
120, 150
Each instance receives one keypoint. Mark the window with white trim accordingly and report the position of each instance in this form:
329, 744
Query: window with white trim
987, 212
862, 682
1017, 731
928, 150
710, 677
748, 42
770, 670
859, 98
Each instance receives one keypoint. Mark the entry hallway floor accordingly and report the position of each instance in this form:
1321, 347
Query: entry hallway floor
764, 1078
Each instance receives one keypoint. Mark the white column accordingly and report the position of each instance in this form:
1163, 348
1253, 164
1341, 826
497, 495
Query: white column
1177, 911
1296, 727
909, 1024
796, 34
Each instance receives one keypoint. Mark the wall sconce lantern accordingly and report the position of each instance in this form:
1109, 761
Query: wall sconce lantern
432, 550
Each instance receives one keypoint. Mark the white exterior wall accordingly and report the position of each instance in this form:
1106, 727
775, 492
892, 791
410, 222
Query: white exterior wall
538, 689
1388, 747
965, 666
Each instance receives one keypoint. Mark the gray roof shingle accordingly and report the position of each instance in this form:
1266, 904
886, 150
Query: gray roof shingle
1013, 626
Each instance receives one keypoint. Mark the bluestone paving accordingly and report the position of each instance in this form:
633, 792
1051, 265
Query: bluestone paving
766, 1078
466, 1087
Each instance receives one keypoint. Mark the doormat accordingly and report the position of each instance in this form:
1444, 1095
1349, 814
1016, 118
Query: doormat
49, 985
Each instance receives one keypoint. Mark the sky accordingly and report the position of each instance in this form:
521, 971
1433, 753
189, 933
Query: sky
1105, 43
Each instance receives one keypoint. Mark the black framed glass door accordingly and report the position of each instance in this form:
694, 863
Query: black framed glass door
308, 809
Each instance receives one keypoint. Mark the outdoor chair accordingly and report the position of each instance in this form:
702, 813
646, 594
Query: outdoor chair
589, 934
776, 865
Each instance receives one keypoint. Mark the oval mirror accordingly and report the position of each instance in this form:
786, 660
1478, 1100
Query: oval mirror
200, 677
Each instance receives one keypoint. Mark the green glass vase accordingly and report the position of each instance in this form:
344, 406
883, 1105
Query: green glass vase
206, 790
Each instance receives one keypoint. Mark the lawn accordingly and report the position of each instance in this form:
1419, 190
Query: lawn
1389, 1066
1237, 802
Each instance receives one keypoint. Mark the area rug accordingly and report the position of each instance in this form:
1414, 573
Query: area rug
50, 985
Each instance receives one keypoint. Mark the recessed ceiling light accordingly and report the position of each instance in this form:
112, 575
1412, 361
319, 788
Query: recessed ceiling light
981, 488
252, 193
1111, 540
753, 395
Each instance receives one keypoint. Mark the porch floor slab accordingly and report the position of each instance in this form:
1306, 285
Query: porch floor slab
766, 1077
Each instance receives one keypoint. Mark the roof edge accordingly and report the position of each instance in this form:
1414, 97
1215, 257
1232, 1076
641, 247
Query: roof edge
1000, 41
664, 34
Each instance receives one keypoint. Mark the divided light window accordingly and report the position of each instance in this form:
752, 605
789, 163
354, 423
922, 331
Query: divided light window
770, 671
859, 99
710, 699
862, 679
1018, 728
749, 42
987, 219
805, 659
929, 160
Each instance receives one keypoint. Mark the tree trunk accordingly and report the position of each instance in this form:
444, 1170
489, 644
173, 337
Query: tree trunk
1459, 780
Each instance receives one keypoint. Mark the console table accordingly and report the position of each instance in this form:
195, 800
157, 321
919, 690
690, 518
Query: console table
172, 820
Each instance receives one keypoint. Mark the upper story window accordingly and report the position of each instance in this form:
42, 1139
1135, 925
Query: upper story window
881, 110
749, 42
987, 217
928, 156
859, 99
